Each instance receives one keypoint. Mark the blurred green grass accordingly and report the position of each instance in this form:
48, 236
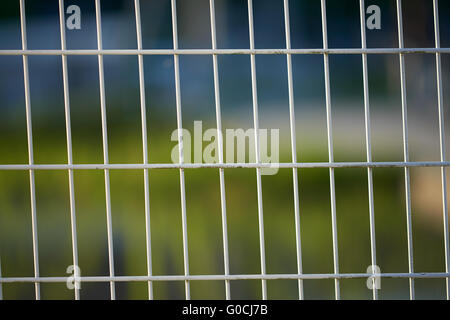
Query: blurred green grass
204, 224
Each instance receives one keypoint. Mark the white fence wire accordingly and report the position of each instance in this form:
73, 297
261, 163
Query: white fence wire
369, 164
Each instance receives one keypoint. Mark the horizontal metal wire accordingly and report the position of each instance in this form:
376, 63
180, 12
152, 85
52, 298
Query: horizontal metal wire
317, 276
58, 52
387, 164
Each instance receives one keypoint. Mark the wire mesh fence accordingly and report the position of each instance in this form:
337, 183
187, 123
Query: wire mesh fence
145, 166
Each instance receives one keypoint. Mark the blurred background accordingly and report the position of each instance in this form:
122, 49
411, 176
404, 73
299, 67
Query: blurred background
202, 185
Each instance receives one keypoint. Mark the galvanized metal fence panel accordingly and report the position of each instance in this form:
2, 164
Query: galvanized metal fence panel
145, 166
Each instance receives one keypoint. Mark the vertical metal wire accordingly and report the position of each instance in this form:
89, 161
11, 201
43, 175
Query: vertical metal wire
180, 144
330, 150
144, 146
30, 149
73, 221
105, 149
373, 252
257, 156
1, 283
293, 148
220, 151
442, 143
405, 149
